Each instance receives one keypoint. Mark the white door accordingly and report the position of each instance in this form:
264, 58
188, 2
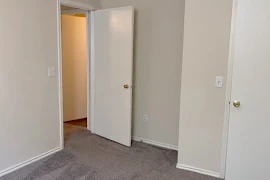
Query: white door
113, 64
248, 154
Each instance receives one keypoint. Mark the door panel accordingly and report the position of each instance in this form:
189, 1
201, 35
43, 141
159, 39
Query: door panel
248, 156
113, 56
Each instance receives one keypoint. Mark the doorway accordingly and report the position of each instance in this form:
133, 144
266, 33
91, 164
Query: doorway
74, 59
109, 61
74, 67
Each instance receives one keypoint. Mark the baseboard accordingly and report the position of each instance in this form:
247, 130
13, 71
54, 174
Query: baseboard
198, 170
30, 161
155, 143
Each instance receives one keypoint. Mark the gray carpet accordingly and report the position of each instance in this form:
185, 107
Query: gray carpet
90, 157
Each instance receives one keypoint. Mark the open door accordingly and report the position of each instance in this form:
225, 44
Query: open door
112, 34
248, 149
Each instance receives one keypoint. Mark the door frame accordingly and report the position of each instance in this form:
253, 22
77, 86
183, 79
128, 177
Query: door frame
228, 91
87, 9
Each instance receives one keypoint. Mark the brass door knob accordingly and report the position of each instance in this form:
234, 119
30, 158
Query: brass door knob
236, 103
126, 86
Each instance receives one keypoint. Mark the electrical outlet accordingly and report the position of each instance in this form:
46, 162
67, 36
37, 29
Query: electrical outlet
145, 118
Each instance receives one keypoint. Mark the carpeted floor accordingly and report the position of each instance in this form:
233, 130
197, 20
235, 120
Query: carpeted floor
90, 157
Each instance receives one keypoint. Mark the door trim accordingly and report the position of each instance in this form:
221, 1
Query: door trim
88, 8
92, 71
228, 92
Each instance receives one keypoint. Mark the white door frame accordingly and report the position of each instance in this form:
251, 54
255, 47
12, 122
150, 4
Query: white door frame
228, 92
90, 101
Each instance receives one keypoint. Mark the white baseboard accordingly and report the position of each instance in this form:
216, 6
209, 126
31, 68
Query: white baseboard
30, 161
198, 170
155, 143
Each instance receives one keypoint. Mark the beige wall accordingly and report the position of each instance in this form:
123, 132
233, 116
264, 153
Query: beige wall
157, 66
205, 55
29, 99
74, 67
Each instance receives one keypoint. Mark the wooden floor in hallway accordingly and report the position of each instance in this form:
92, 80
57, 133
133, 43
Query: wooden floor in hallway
78, 122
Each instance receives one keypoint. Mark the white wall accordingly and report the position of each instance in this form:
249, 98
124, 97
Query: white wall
74, 67
29, 100
205, 55
157, 66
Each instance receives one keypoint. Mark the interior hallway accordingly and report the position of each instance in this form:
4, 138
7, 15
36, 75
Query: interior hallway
90, 157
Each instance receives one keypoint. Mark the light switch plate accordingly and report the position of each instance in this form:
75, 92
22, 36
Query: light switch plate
145, 118
52, 71
219, 81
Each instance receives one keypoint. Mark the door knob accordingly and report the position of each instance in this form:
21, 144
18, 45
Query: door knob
236, 103
126, 86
